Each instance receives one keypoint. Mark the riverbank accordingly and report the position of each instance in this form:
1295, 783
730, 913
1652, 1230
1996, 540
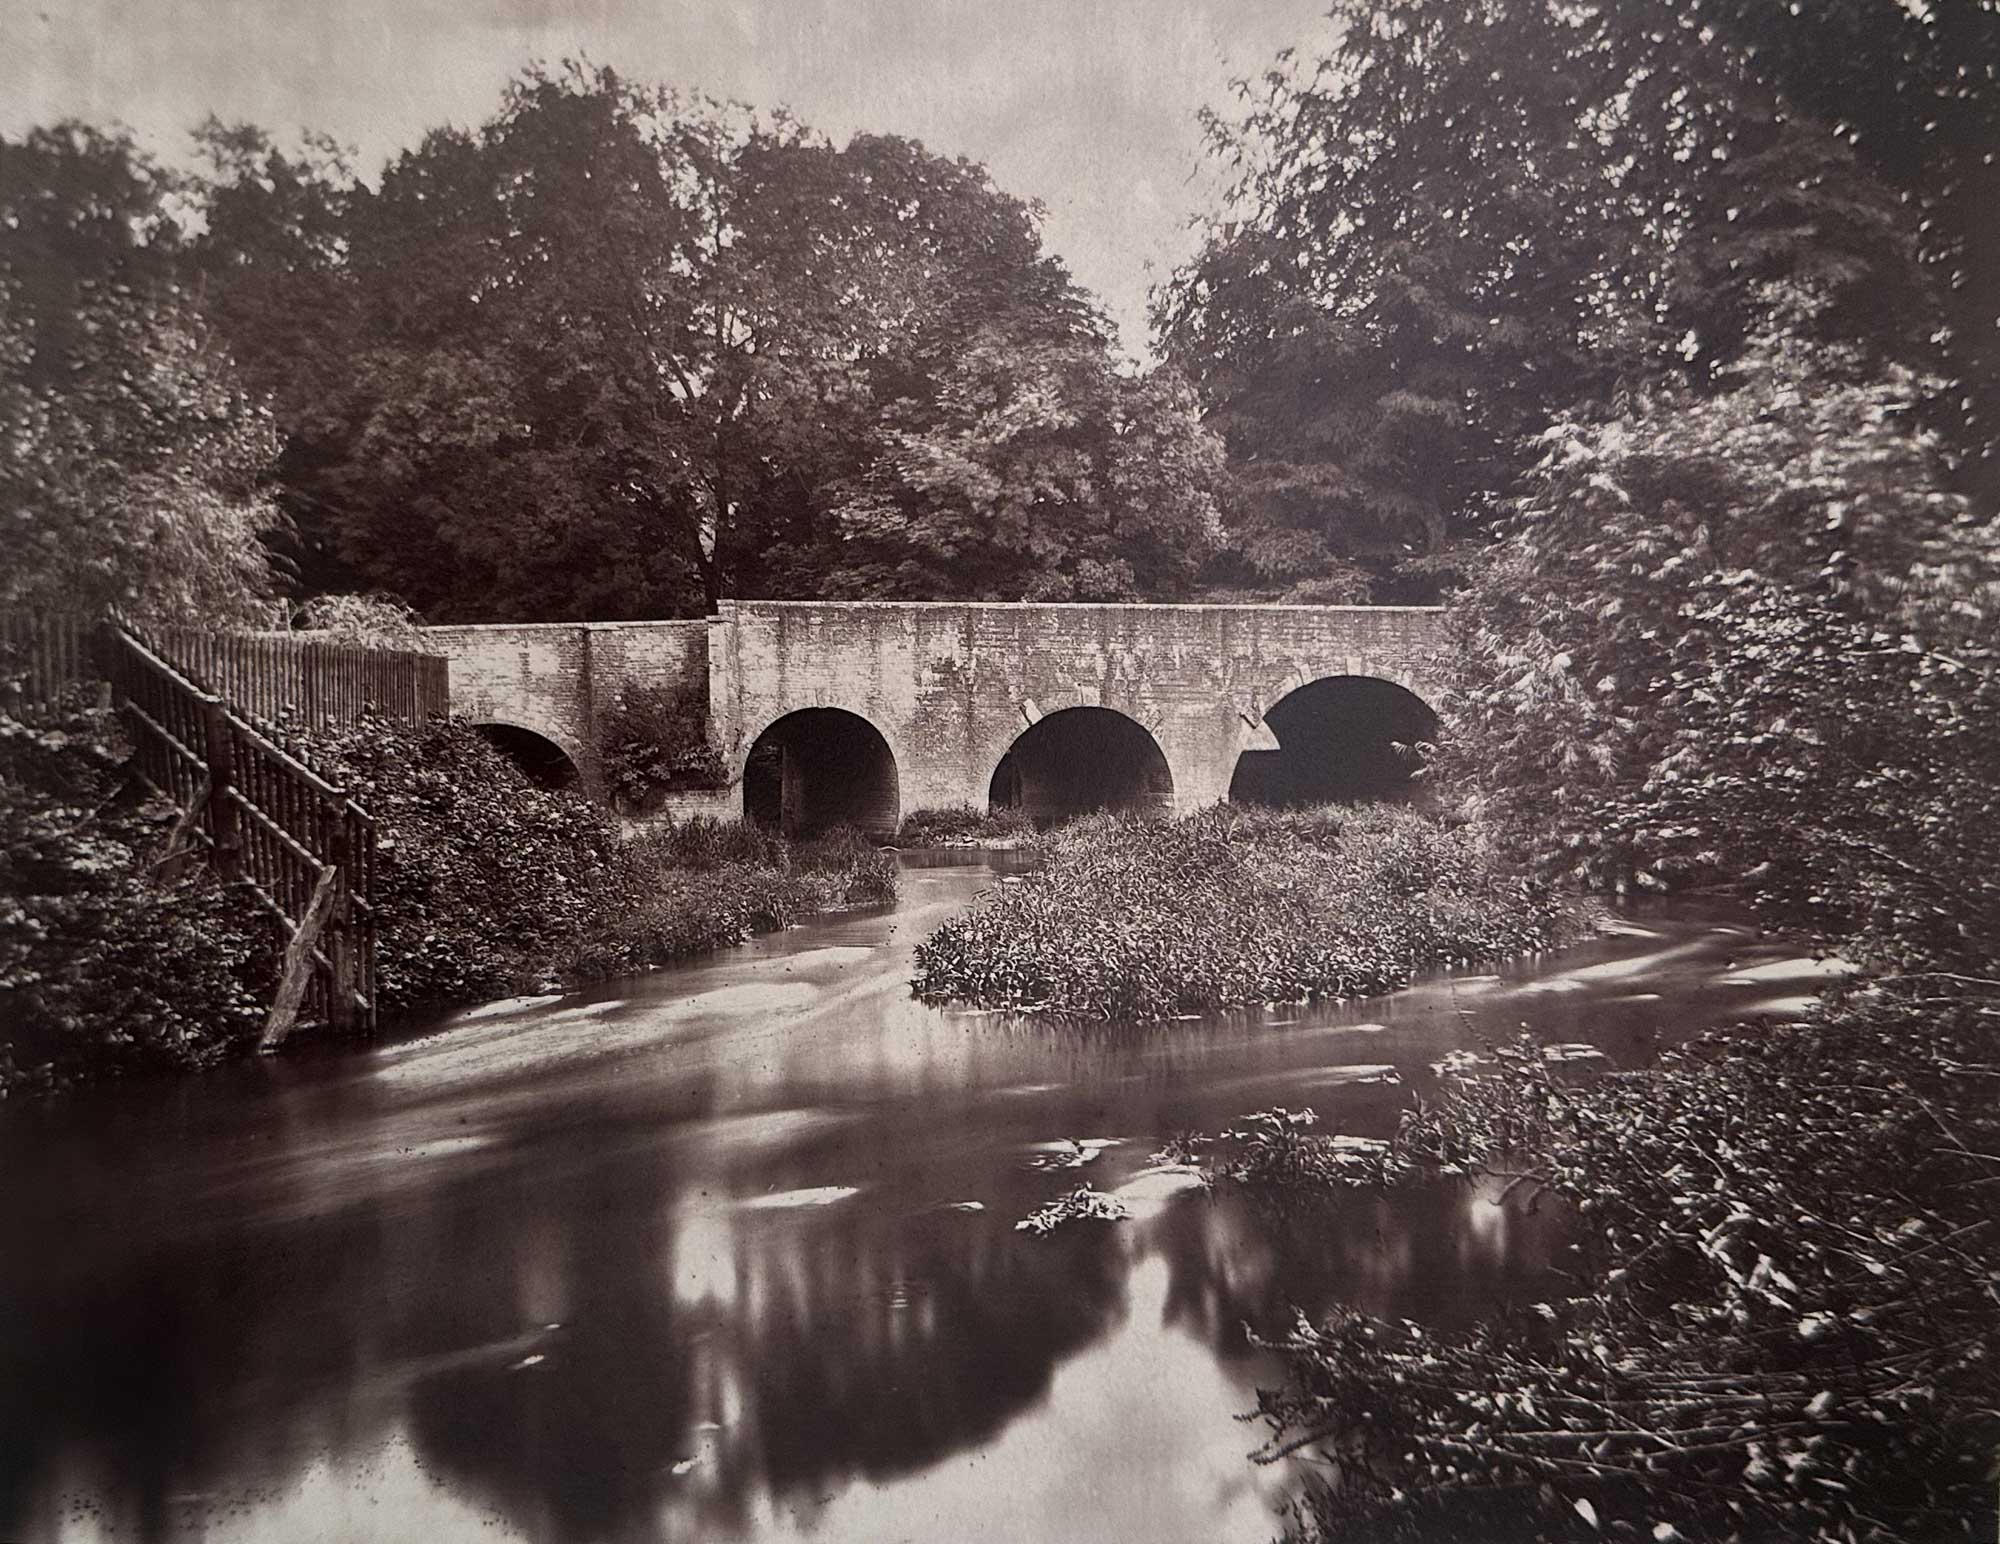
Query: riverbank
1785, 1319
1137, 919
485, 886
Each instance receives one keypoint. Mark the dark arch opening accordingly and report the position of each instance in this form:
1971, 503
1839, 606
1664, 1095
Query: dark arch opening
1342, 739
543, 762
822, 767
1078, 760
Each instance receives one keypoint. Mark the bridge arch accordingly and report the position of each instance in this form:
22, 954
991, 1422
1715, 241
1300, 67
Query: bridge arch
814, 768
1081, 759
1336, 739
545, 762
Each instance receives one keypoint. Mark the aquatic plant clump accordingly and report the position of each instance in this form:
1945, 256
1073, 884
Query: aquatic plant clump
1787, 1322
1135, 919
1080, 1205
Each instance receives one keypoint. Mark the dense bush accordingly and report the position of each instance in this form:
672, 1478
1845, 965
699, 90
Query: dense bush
962, 825
1786, 1327
104, 967
1141, 919
482, 880
655, 741
486, 884
703, 884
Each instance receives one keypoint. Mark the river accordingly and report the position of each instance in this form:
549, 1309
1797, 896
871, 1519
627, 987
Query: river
728, 1252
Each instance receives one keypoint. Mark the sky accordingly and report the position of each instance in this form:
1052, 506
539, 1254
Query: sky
1086, 105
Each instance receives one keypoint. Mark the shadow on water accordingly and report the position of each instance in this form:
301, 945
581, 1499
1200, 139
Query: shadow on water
727, 1251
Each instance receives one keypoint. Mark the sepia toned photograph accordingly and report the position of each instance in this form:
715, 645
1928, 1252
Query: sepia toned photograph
884, 771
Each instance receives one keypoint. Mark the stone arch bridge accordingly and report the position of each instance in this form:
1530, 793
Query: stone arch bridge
864, 711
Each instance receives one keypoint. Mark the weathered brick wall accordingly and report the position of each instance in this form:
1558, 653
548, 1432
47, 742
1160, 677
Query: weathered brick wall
950, 686
557, 678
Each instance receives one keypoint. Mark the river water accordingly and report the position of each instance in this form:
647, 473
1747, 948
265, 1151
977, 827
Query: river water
728, 1252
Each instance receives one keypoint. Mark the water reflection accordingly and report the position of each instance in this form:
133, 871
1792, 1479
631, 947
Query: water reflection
699, 1258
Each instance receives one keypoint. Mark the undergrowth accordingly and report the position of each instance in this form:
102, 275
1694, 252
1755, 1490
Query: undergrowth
110, 961
1789, 1307
487, 884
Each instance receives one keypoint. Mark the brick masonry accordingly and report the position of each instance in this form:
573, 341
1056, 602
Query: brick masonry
949, 685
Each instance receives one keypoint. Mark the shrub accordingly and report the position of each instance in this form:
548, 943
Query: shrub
103, 968
375, 620
655, 741
1785, 1327
482, 880
1144, 919
487, 884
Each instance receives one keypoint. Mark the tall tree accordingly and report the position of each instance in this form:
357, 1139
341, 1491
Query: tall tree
620, 353
134, 466
1036, 472
1467, 218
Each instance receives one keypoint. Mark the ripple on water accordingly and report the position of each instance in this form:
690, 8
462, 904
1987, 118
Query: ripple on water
791, 1200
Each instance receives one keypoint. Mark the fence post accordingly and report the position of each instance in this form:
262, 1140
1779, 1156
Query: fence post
223, 822
340, 950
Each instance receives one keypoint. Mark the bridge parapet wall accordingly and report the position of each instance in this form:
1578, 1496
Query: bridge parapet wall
951, 685
558, 679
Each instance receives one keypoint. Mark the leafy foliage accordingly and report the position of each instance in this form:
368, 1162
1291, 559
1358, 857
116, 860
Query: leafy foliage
655, 740
133, 468
1747, 636
1785, 1329
105, 965
1457, 223
482, 880
732, 358
1129, 919
376, 620
486, 884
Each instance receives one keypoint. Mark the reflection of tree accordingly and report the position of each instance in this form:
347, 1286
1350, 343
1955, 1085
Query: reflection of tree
349, 1300
864, 1344
1441, 1254
337, 1273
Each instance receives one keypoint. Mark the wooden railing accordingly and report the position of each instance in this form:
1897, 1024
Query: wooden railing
299, 845
269, 676
47, 653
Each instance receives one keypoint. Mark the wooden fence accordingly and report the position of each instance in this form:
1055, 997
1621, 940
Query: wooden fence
301, 846
48, 653
261, 675
322, 684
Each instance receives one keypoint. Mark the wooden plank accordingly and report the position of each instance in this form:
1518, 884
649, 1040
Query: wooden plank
299, 962
172, 863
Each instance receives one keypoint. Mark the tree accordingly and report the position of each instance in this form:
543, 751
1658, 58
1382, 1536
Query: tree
1749, 637
620, 353
1467, 219
134, 467
1038, 472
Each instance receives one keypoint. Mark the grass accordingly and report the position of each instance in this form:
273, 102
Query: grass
1135, 919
